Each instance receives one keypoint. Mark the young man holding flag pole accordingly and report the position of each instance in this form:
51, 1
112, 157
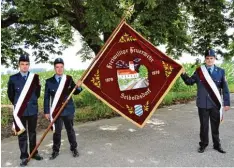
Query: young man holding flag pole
57, 89
64, 103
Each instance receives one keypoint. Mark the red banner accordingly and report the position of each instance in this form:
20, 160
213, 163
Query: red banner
130, 75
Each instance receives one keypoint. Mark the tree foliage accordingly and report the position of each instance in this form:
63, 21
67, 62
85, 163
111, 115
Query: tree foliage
143, 71
47, 27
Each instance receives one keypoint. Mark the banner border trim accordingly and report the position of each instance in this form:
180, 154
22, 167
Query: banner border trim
107, 103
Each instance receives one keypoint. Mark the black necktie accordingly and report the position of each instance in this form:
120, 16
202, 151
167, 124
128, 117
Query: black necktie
209, 70
25, 77
59, 79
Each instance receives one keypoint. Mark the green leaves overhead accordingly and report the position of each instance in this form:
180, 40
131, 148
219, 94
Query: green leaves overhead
47, 27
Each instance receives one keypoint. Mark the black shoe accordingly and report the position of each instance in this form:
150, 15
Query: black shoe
24, 162
37, 157
219, 149
54, 155
75, 153
201, 149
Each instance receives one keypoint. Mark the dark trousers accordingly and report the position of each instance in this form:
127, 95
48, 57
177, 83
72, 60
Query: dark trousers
30, 124
68, 122
204, 115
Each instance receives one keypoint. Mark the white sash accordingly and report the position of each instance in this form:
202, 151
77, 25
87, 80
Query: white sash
56, 98
19, 103
213, 87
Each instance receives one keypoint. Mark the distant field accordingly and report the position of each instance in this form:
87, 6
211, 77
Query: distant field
90, 108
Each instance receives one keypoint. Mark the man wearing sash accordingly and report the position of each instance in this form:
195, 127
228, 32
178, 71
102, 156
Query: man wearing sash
211, 82
23, 91
57, 89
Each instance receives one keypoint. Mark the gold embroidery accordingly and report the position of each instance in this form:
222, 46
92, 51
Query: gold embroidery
126, 38
130, 109
168, 69
146, 106
96, 79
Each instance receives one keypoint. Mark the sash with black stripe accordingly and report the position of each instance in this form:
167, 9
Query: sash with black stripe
211, 88
60, 97
21, 105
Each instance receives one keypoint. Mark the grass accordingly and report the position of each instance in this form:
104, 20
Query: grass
98, 111
89, 108
231, 87
174, 97
6, 116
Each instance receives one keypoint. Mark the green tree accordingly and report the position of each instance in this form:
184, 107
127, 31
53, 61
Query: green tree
47, 26
143, 71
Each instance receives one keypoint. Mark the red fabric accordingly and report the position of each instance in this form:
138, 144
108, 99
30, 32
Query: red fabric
208, 87
62, 97
34, 84
127, 48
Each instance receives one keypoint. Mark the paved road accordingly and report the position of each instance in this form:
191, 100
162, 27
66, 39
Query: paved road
142, 83
169, 139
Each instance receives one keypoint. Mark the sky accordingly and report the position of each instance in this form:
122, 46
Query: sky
73, 61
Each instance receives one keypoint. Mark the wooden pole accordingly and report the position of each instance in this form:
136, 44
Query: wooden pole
48, 129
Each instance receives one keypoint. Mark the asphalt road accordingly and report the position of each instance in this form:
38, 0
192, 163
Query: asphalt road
170, 138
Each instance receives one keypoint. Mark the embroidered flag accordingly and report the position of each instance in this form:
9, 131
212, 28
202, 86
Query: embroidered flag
131, 75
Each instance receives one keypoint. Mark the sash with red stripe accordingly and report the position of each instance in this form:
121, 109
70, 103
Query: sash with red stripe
60, 97
21, 105
211, 88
